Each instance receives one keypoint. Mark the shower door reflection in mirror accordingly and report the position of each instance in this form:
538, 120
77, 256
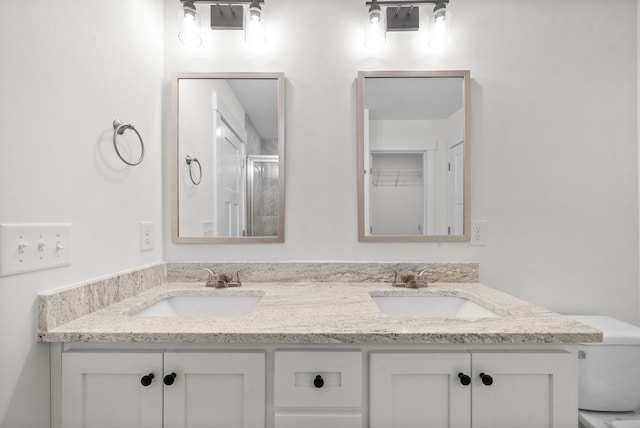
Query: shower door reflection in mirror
263, 210
229, 157
413, 149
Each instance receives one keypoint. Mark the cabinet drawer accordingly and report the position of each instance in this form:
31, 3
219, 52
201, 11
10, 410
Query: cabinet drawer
318, 421
337, 377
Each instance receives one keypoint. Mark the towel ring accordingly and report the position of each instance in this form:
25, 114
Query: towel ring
190, 161
118, 129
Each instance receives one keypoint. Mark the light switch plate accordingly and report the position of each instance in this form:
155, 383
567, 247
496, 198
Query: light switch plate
32, 247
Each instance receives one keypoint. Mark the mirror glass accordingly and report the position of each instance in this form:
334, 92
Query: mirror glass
228, 157
413, 155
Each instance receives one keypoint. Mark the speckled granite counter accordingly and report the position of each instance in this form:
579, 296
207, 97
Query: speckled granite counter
311, 312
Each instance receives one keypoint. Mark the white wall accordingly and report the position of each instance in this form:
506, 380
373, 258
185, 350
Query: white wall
68, 69
418, 135
553, 133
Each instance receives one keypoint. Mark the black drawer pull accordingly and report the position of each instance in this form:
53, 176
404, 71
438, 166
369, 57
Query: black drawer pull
318, 382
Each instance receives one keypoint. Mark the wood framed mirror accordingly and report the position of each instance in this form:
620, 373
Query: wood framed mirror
413, 156
228, 157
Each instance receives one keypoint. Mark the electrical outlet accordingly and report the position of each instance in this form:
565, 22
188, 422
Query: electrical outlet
479, 232
207, 228
32, 247
146, 235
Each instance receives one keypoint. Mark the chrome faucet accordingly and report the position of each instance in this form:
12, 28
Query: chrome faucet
410, 280
223, 280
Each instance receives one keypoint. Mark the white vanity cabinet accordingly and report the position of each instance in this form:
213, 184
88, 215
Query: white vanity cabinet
162, 389
479, 389
314, 385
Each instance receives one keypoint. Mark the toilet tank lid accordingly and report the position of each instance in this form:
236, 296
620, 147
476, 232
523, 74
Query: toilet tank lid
614, 331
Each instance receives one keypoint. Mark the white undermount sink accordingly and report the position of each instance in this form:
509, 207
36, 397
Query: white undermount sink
202, 306
431, 306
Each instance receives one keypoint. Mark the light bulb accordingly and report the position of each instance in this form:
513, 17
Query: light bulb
189, 25
255, 13
440, 15
439, 27
374, 16
376, 32
254, 27
189, 10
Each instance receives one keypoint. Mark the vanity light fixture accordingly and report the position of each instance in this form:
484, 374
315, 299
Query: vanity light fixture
224, 16
404, 16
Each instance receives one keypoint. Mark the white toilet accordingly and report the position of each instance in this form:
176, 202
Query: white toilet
610, 375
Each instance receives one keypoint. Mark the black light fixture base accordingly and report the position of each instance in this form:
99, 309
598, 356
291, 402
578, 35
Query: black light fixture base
403, 18
227, 17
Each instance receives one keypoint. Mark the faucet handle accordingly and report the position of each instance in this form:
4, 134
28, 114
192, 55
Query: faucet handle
236, 275
398, 279
421, 278
215, 280
211, 274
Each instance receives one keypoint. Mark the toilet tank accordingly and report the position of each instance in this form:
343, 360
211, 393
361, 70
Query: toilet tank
610, 371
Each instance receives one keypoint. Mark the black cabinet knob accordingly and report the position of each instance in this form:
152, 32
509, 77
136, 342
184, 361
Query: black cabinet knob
146, 380
318, 382
486, 379
169, 379
464, 379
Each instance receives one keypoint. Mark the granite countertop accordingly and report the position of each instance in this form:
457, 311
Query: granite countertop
306, 312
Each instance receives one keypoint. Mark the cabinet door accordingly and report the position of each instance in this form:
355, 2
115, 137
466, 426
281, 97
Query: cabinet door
419, 390
528, 390
225, 390
105, 390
